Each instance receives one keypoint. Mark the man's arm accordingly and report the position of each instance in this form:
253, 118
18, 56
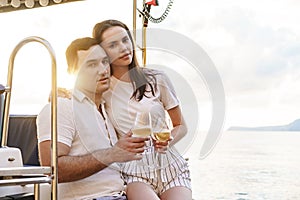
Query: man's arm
72, 168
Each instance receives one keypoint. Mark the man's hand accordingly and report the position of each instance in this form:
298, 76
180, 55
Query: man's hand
127, 149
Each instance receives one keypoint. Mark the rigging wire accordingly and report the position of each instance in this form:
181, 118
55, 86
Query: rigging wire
146, 13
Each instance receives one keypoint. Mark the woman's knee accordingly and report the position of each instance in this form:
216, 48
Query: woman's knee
140, 190
177, 193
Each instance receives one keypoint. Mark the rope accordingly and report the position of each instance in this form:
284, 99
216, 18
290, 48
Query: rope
148, 16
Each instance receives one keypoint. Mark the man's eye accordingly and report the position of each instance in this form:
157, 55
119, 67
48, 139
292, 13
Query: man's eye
112, 45
92, 65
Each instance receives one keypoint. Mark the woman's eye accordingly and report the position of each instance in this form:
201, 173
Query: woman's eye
105, 62
125, 39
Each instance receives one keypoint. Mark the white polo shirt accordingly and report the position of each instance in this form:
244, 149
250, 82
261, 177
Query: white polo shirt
83, 129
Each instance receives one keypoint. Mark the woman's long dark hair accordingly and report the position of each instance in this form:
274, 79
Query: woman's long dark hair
139, 78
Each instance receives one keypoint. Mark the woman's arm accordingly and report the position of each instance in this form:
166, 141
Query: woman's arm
179, 125
178, 132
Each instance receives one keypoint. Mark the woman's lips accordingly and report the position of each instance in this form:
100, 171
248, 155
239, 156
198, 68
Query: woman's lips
126, 56
103, 80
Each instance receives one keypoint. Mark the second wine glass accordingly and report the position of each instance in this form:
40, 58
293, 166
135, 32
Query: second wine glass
162, 133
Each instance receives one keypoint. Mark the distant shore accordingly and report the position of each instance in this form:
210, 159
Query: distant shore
294, 126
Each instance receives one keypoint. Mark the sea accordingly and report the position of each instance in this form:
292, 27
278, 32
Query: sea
248, 165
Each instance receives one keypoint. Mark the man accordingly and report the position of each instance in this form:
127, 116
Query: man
88, 149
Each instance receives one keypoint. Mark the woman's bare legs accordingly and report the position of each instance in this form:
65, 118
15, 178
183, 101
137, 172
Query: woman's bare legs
139, 190
177, 193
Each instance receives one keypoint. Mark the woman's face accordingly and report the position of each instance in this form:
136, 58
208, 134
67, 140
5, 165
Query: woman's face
118, 46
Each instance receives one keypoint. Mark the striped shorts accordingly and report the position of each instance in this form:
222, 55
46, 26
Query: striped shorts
111, 198
174, 172
121, 196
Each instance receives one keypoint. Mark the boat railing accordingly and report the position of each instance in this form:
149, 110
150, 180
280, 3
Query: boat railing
20, 175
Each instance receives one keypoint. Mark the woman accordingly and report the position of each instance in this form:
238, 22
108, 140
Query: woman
133, 89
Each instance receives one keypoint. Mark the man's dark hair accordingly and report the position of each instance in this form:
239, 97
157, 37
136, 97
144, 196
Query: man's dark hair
75, 46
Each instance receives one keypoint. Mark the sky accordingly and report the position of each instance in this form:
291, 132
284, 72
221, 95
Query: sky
254, 45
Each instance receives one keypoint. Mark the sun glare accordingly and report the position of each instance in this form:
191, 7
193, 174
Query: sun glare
32, 79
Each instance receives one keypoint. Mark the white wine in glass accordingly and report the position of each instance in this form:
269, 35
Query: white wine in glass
162, 135
142, 125
161, 130
141, 132
142, 128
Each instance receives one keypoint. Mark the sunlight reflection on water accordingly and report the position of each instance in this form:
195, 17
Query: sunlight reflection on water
248, 165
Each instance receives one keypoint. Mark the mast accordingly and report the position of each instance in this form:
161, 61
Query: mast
146, 17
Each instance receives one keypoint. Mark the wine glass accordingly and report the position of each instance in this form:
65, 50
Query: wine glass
142, 128
142, 125
162, 133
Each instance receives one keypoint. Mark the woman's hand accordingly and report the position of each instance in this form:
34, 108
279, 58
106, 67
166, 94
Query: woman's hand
62, 92
162, 146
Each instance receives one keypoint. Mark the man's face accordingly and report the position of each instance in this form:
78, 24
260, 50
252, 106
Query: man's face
94, 70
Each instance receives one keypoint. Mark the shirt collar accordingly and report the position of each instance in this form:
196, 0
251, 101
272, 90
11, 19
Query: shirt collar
80, 96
